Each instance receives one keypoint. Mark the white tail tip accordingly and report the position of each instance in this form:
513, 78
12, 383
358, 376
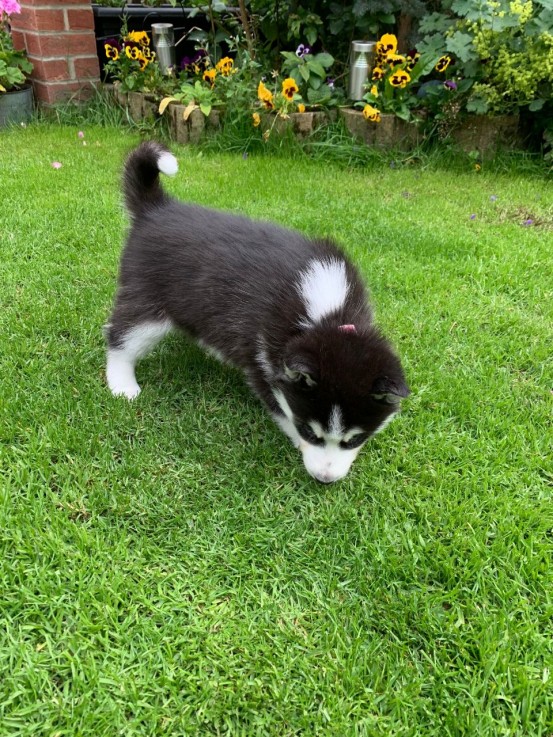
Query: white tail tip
167, 164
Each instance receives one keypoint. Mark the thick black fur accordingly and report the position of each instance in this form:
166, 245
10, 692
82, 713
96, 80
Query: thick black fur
231, 283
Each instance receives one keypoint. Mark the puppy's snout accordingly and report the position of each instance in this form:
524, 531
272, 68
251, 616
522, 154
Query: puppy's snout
327, 476
324, 478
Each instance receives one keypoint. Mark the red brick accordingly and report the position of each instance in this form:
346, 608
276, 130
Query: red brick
79, 19
18, 39
50, 93
60, 44
86, 67
50, 70
32, 44
42, 19
52, 3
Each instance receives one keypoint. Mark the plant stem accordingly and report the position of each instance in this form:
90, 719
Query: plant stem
247, 28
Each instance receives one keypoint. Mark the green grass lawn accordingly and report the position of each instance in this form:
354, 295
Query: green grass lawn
167, 566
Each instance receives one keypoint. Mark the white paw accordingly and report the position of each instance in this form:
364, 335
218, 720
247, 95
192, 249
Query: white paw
120, 375
131, 391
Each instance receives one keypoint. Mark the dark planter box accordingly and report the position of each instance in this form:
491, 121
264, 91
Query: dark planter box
108, 22
16, 106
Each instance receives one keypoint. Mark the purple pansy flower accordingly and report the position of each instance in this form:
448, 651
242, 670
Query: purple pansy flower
450, 84
115, 42
302, 50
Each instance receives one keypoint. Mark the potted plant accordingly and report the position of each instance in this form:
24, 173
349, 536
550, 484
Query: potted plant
16, 93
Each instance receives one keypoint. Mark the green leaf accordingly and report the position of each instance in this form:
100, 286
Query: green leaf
403, 112
297, 76
536, 105
478, 105
460, 44
435, 22
200, 36
311, 35
432, 45
463, 7
304, 71
326, 60
205, 108
541, 23
23, 63
359, 8
316, 68
320, 96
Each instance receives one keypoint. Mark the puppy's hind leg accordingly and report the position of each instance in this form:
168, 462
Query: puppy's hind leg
127, 343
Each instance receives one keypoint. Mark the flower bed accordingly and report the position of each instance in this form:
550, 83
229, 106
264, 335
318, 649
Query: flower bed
405, 93
192, 127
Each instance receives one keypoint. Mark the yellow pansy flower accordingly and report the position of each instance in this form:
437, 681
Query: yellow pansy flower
400, 79
289, 88
371, 113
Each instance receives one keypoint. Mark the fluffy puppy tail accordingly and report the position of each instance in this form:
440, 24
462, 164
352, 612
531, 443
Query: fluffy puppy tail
141, 185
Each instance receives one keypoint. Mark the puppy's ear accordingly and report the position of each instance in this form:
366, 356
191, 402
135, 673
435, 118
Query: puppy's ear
299, 371
389, 391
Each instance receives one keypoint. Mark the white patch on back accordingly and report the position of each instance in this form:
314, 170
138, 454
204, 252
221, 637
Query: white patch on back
121, 361
167, 164
323, 288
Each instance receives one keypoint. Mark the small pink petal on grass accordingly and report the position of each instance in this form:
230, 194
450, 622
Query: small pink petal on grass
56, 165
80, 134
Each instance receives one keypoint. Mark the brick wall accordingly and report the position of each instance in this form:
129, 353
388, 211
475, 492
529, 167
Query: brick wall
59, 38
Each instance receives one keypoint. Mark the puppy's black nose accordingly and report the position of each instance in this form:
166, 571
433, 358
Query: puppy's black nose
325, 478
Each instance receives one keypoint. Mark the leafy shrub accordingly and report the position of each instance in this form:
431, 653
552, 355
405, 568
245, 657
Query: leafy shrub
503, 48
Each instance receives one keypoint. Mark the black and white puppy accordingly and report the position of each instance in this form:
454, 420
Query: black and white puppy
291, 313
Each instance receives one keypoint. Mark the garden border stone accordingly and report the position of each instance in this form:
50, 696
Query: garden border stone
479, 132
390, 132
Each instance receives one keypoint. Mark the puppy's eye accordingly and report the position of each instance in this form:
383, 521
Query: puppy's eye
355, 441
308, 434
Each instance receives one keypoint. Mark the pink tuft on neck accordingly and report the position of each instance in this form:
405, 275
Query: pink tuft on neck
347, 328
